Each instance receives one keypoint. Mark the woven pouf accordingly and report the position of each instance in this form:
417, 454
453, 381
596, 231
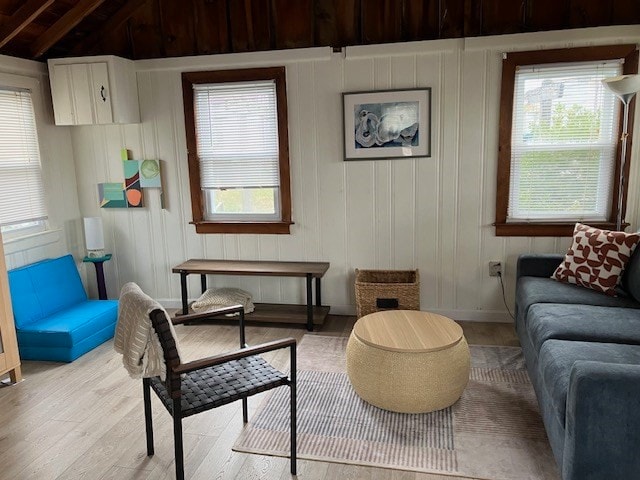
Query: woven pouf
409, 362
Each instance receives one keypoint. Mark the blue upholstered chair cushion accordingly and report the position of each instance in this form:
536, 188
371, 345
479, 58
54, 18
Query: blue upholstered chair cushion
43, 288
587, 323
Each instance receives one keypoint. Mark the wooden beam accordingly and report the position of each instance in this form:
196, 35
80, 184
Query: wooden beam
26, 14
63, 26
114, 22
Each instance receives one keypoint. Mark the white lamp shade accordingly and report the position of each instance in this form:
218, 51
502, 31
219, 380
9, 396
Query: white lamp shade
93, 233
624, 86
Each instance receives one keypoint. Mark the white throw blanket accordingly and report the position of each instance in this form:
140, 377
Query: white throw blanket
215, 298
135, 337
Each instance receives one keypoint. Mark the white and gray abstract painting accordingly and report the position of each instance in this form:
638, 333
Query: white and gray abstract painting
392, 124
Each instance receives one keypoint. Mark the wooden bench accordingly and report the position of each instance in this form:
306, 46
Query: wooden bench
268, 312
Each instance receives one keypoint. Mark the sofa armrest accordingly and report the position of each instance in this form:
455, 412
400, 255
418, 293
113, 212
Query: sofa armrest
603, 422
538, 265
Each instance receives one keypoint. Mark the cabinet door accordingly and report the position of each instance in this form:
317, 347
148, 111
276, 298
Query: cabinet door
61, 94
82, 95
101, 93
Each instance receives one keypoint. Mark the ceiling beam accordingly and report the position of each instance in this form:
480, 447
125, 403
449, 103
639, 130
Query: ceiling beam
22, 17
63, 26
115, 21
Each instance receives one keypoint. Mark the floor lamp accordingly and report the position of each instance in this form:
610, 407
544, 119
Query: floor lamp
625, 88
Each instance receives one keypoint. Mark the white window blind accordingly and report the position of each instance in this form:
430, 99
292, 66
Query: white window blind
563, 145
21, 189
237, 135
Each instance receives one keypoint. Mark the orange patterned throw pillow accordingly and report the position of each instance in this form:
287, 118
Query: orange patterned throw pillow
596, 258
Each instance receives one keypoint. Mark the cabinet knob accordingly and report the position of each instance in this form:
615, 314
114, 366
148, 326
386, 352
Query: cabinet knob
102, 93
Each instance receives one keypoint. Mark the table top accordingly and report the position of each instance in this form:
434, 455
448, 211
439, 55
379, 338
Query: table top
253, 267
97, 259
407, 331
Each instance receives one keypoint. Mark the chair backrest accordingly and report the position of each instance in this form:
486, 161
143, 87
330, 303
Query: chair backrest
162, 326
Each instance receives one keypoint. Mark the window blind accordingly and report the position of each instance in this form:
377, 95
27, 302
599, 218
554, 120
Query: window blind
563, 145
21, 188
237, 134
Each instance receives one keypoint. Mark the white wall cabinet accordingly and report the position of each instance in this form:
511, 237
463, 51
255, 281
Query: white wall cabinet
94, 90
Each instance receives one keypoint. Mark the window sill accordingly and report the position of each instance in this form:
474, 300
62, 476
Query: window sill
28, 242
279, 228
563, 229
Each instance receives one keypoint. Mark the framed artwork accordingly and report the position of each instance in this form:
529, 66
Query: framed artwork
387, 124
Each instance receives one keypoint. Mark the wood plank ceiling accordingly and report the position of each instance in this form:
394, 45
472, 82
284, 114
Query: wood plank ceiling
41, 29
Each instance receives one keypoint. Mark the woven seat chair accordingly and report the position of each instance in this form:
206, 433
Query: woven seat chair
211, 382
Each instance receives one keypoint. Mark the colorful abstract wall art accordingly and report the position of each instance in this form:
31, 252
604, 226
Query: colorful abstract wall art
132, 186
111, 195
150, 174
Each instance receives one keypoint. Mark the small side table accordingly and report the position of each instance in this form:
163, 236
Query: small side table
97, 262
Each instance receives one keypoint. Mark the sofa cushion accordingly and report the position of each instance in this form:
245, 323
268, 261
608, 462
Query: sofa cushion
71, 326
531, 290
66, 354
587, 323
557, 357
596, 258
43, 288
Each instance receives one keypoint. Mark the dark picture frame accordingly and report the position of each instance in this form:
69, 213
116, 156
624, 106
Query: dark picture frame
387, 124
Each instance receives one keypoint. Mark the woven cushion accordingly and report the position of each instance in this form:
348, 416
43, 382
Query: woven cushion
215, 386
596, 258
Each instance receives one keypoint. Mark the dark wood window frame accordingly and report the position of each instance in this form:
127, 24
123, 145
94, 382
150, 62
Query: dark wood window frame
509, 66
278, 74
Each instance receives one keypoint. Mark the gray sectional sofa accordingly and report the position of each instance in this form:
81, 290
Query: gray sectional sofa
582, 351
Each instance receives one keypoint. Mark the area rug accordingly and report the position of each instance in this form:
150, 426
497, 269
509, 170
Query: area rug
493, 432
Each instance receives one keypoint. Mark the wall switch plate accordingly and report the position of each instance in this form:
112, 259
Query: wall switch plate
495, 269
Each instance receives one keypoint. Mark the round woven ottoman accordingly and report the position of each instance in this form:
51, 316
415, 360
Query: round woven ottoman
408, 361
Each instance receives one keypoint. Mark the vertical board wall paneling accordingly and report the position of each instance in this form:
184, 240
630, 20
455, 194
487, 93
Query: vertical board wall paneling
428, 186
360, 75
383, 237
447, 202
332, 173
434, 214
403, 226
468, 262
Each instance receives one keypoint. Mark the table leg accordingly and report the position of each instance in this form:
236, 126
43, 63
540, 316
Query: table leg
183, 289
309, 303
102, 288
203, 282
318, 293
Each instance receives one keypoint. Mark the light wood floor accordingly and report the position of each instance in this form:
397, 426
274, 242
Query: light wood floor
85, 419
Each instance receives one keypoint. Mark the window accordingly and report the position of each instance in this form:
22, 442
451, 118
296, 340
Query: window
237, 142
22, 204
558, 159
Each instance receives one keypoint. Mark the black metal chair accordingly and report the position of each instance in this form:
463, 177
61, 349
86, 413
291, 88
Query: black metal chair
211, 382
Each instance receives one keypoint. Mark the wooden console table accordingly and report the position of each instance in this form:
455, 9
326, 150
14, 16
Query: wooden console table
308, 314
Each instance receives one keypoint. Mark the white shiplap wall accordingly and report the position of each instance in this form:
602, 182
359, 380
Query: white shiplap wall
58, 172
433, 214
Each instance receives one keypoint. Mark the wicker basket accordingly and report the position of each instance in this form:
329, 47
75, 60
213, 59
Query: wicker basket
378, 290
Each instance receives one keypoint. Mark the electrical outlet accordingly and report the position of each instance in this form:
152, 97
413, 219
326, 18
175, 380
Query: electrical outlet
495, 269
